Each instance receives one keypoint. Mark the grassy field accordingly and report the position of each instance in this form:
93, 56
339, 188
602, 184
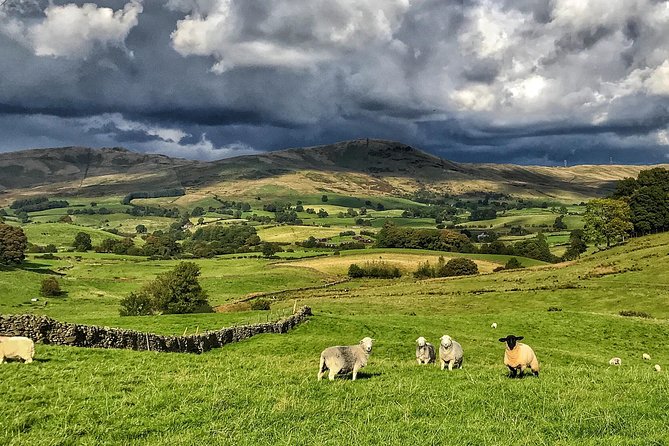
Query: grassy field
407, 260
264, 390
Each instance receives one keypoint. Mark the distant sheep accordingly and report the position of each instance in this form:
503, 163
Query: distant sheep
658, 368
518, 356
646, 357
424, 351
16, 347
345, 359
615, 361
450, 353
493, 325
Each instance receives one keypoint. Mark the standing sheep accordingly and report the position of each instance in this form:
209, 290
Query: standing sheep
424, 351
646, 357
16, 347
493, 325
615, 361
345, 359
450, 353
519, 356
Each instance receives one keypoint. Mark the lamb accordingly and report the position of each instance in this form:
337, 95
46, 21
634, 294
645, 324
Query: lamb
493, 325
424, 351
16, 347
519, 356
450, 353
615, 361
646, 357
345, 359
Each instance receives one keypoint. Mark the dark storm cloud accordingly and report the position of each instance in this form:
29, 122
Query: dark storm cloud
487, 80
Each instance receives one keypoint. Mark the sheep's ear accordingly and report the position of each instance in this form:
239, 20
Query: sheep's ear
502, 339
520, 338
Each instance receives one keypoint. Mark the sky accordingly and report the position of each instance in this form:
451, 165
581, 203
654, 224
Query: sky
514, 81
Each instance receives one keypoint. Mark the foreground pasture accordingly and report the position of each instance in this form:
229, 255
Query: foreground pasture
264, 390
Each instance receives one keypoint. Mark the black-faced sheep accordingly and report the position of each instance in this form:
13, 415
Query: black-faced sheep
518, 356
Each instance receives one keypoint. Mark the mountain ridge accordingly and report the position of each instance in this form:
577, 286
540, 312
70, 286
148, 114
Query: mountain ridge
359, 166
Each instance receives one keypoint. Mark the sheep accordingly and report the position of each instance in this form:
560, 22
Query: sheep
646, 357
658, 368
518, 356
493, 325
424, 351
450, 353
16, 347
344, 359
615, 361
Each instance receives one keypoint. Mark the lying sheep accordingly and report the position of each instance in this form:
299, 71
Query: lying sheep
658, 368
16, 347
450, 353
345, 359
519, 356
424, 351
646, 357
615, 361
493, 325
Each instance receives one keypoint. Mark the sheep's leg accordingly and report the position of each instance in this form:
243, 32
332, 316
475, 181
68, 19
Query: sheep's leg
512, 372
443, 364
355, 372
419, 360
28, 360
450, 366
321, 369
522, 371
332, 374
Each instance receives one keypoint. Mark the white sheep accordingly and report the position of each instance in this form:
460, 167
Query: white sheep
615, 361
16, 347
646, 357
424, 351
658, 368
493, 325
450, 353
345, 359
518, 356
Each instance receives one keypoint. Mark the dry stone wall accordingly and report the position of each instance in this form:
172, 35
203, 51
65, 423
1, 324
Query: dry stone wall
50, 331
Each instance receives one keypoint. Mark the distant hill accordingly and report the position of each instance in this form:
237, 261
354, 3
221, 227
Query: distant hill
360, 167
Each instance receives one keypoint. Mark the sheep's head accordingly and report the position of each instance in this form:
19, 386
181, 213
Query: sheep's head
511, 341
367, 344
421, 341
446, 341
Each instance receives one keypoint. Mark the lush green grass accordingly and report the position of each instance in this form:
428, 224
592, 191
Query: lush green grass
62, 235
264, 390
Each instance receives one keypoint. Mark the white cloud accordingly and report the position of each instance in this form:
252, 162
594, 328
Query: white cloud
73, 31
296, 34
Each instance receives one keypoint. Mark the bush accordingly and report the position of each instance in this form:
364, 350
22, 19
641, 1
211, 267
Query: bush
13, 244
137, 304
379, 270
513, 263
260, 304
50, 287
458, 266
630, 313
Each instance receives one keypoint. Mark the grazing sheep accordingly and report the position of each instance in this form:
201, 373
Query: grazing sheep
658, 368
450, 353
16, 347
493, 325
646, 357
519, 356
615, 361
345, 359
424, 351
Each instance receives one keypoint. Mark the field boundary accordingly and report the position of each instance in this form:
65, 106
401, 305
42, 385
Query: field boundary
50, 331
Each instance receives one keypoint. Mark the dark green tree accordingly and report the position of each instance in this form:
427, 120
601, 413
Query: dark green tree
82, 242
179, 291
13, 244
607, 220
